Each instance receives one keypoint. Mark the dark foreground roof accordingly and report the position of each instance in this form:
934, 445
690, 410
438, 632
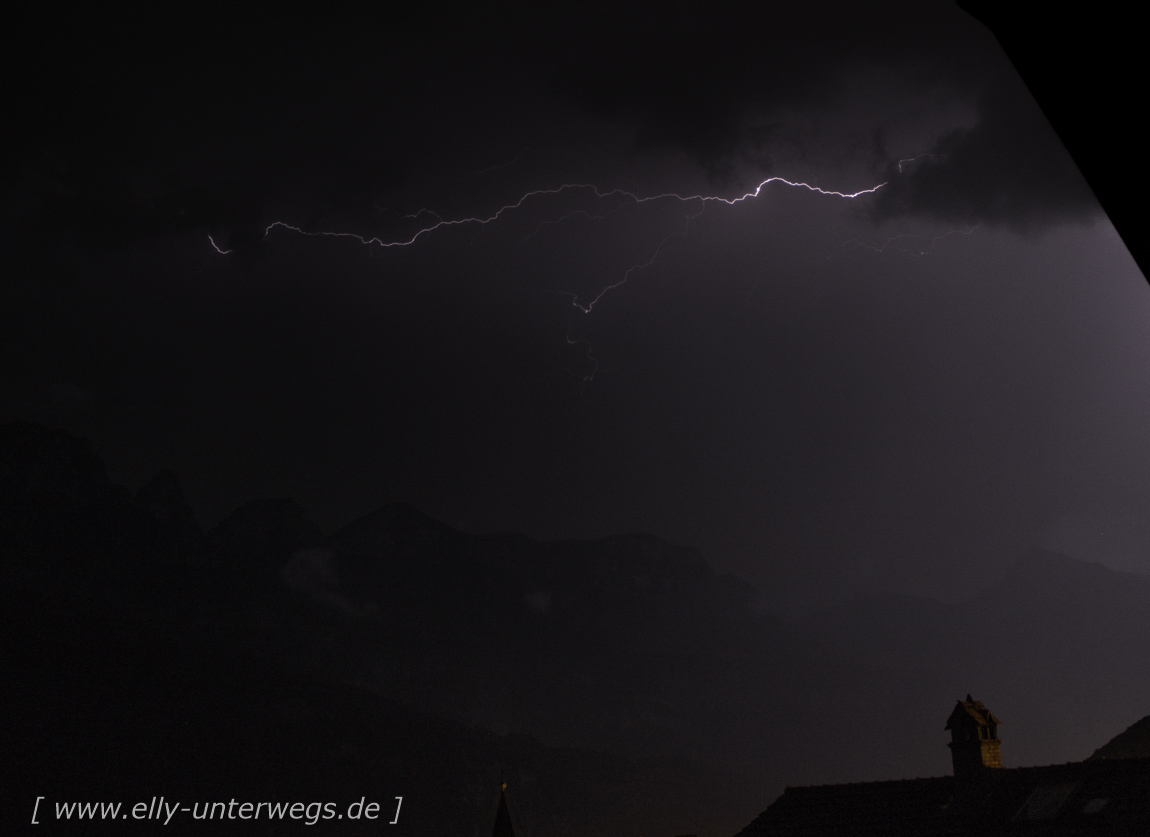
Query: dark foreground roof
1105, 797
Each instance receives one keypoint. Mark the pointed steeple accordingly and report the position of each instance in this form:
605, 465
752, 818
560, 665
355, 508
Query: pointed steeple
503, 816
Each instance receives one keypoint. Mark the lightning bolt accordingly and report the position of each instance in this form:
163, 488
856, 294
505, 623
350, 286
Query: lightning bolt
908, 160
601, 194
589, 355
895, 243
622, 197
586, 309
499, 166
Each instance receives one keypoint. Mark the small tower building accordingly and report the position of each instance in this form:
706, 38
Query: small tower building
974, 743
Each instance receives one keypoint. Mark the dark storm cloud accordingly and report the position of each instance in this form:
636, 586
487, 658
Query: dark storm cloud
451, 374
728, 88
125, 130
1010, 169
133, 131
709, 79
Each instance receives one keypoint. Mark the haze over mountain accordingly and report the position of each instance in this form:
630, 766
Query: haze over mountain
619, 682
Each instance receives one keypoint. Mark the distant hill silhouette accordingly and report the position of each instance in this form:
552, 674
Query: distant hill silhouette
152, 659
619, 681
1131, 743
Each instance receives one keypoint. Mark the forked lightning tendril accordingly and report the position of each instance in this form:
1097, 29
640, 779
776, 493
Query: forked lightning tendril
628, 198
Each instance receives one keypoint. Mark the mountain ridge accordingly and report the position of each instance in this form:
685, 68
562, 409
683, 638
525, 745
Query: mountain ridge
624, 645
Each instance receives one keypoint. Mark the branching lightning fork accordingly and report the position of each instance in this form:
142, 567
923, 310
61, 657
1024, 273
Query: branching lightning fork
627, 198
566, 187
596, 191
901, 243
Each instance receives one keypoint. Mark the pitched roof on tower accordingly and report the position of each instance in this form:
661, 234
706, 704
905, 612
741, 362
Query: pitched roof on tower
976, 709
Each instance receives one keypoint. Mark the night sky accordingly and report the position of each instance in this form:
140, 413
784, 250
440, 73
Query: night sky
900, 391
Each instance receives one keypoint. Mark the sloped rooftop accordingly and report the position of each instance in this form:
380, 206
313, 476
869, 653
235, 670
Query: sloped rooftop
1079, 798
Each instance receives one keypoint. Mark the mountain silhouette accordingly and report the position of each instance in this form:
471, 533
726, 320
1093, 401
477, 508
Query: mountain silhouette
618, 682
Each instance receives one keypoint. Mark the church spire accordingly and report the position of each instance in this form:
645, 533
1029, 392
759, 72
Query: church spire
503, 816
